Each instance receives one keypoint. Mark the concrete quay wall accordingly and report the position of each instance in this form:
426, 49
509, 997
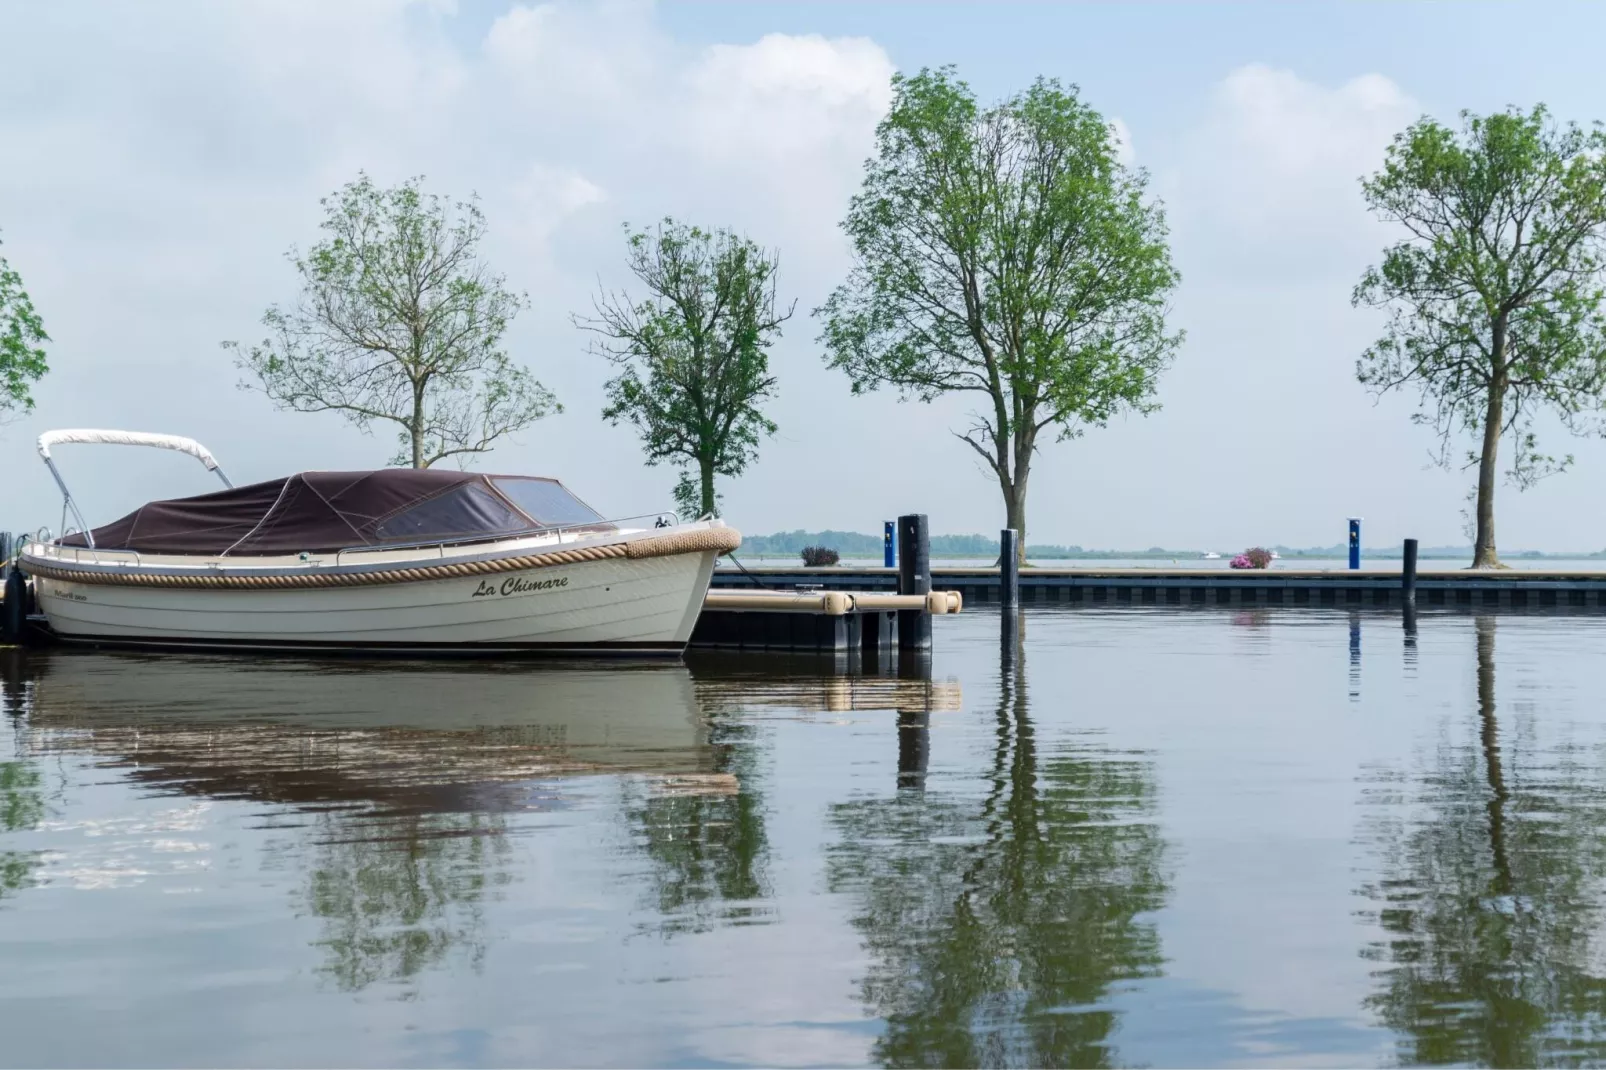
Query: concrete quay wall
1516, 588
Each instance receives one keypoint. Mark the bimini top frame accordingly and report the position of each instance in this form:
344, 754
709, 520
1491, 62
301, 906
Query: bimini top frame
119, 438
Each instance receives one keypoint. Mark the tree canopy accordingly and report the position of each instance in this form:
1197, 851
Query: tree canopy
1494, 294
22, 339
1006, 252
400, 322
693, 355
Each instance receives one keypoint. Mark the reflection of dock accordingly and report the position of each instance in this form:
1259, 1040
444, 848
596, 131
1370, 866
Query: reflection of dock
824, 693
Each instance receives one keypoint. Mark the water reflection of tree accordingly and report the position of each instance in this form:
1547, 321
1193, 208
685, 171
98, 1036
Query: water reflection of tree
997, 925
22, 799
22, 806
401, 894
707, 844
1492, 902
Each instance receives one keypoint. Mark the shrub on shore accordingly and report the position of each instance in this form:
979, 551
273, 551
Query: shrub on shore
1254, 557
820, 556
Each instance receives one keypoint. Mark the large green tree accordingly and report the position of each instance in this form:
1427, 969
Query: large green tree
22, 338
693, 355
1494, 294
400, 322
1004, 251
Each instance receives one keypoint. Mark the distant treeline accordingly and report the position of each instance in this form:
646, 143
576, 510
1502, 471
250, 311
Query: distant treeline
857, 544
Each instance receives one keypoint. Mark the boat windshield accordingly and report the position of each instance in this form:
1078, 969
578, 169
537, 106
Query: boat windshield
546, 501
467, 511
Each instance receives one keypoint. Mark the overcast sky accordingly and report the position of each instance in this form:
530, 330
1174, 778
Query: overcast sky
157, 160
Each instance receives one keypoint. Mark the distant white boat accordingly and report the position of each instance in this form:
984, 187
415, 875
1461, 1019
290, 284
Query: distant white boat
1210, 555
1275, 555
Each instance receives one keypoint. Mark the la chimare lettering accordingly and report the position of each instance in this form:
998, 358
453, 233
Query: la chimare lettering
519, 585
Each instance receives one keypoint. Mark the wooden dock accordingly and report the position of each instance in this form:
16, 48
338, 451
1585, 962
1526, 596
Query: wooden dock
1517, 588
804, 620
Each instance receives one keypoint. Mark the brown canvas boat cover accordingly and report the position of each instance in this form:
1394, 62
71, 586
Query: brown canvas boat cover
321, 512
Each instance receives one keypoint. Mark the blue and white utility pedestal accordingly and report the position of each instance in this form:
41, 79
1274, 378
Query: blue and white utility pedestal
1354, 542
889, 545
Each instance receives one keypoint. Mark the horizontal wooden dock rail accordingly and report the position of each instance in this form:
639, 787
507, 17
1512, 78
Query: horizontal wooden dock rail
1372, 587
833, 621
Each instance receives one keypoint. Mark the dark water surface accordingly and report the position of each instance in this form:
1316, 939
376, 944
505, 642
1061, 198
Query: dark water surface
1157, 837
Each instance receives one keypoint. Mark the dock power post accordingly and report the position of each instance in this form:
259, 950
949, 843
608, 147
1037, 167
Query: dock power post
1354, 542
889, 545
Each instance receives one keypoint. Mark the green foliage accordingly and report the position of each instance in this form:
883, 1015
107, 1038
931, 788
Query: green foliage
709, 850
396, 905
400, 322
1494, 297
22, 806
22, 338
1005, 252
999, 923
693, 355
1489, 898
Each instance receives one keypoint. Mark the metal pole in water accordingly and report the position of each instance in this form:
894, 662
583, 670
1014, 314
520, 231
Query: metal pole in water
1009, 596
1408, 573
1354, 542
889, 546
1008, 570
914, 577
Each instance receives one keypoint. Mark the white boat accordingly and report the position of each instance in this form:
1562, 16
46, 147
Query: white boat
1210, 555
407, 561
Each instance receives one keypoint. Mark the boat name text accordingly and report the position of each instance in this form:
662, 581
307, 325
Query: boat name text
519, 585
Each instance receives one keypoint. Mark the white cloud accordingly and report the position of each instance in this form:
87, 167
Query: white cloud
546, 196
1124, 149
176, 153
1270, 182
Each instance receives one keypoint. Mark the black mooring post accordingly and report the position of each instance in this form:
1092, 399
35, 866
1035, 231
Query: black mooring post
914, 577
914, 747
1008, 571
14, 611
1408, 574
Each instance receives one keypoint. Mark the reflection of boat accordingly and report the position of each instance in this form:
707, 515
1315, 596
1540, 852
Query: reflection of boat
409, 735
402, 560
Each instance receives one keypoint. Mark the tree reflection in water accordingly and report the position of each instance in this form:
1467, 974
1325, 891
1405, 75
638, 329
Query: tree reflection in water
401, 894
22, 800
998, 925
707, 842
1492, 899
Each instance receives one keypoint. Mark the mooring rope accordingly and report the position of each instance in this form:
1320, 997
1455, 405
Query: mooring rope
719, 540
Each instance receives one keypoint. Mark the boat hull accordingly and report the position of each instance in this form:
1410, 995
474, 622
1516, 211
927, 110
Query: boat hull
613, 605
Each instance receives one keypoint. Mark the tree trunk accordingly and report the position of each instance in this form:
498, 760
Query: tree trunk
1483, 548
1490, 734
416, 428
706, 473
1015, 517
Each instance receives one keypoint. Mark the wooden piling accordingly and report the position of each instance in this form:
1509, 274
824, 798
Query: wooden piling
1408, 574
914, 577
1008, 571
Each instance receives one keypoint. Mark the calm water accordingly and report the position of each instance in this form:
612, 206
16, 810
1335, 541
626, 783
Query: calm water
1177, 837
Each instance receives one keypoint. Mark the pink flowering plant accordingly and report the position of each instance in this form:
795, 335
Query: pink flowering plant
1254, 557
